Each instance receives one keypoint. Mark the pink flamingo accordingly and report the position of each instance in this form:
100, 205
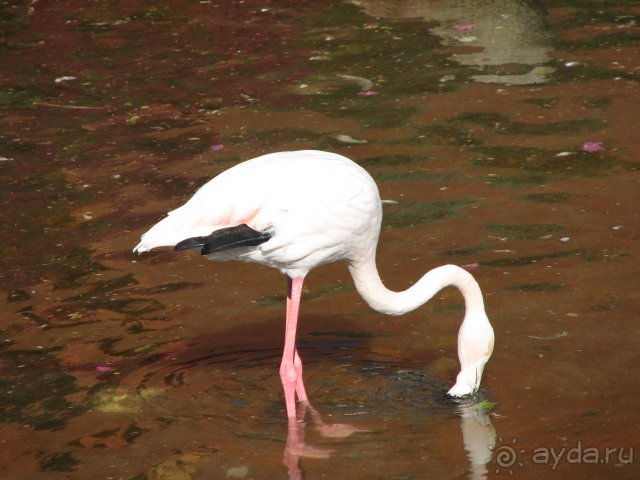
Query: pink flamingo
296, 210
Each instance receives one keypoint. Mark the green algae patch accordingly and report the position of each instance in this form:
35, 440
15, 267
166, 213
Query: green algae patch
548, 163
536, 287
120, 400
530, 259
527, 232
420, 212
26, 375
59, 462
548, 197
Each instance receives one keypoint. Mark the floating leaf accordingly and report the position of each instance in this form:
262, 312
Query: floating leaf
65, 79
552, 337
364, 83
485, 405
348, 139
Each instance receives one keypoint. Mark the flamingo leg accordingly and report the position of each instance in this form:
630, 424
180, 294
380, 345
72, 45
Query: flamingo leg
300, 390
291, 366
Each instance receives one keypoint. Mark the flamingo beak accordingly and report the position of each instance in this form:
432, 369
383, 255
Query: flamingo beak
468, 380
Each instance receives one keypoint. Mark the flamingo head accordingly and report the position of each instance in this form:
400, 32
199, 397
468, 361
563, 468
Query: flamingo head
475, 345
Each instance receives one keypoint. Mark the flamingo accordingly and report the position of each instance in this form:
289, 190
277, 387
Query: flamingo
297, 210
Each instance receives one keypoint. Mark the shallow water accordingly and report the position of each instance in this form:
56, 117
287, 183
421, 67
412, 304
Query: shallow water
504, 130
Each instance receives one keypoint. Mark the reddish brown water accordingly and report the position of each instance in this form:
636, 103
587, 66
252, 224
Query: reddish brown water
165, 366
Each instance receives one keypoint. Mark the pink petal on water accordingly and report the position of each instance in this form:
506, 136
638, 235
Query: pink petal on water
470, 266
103, 368
592, 146
217, 147
367, 93
464, 26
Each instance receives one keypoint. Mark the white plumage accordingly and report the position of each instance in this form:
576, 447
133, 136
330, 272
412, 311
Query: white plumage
318, 207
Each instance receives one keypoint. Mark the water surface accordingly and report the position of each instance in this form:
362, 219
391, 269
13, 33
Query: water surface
503, 132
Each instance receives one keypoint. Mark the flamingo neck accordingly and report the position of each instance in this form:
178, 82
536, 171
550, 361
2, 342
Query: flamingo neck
370, 287
475, 336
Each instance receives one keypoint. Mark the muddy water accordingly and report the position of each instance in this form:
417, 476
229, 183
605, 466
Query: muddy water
505, 131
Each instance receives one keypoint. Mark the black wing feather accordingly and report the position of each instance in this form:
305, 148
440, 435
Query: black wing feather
225, 239
192, 242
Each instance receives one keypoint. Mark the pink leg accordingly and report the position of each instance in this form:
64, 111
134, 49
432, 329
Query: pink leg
291, 366
300, 390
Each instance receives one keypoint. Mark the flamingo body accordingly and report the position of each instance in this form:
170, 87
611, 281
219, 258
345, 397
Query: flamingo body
319, 207
297, 210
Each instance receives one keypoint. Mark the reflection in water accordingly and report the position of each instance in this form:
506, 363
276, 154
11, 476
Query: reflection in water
296, 446
233, 389
493, 33
478, 435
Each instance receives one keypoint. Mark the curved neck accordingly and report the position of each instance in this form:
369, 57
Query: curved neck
370, 287
475, 337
